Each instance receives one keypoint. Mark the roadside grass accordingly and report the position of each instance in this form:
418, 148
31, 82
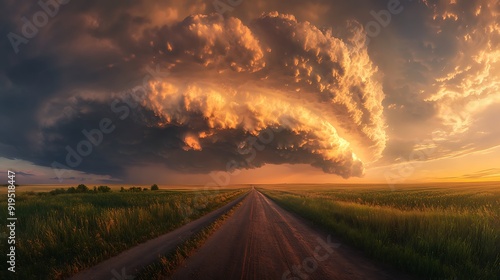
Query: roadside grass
167, 264
434, 233
60, 235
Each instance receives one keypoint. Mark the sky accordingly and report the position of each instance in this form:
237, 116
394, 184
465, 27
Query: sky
219, 93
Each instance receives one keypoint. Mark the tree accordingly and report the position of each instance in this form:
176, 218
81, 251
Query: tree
82, 188
154, 187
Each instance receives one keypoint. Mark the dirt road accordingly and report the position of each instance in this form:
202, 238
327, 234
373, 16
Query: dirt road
259, 241
262, 241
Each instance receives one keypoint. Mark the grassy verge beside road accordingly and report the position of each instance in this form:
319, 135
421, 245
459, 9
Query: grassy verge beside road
59, 235
435, 233
166, 265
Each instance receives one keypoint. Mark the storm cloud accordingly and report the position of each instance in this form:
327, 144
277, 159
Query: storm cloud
226, 83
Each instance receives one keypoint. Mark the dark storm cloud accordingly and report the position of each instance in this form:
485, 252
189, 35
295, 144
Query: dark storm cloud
68, 55
65, 79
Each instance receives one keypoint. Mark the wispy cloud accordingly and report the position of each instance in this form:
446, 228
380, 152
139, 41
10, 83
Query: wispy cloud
487, 173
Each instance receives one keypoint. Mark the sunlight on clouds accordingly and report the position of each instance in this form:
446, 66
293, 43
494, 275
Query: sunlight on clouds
229, 79
276, 72
474, 82
253, 112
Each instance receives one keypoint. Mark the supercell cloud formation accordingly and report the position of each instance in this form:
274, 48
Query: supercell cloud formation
228, 81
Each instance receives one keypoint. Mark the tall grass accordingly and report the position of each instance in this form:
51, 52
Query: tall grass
58, 236
435, 234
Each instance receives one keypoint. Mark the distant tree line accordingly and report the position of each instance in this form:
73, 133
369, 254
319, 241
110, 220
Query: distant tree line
100, 189
154, 187
81, 189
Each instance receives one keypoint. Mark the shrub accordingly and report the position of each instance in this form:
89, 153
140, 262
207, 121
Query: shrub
82, 188
154, 187
135, 189
57, 191
103, 189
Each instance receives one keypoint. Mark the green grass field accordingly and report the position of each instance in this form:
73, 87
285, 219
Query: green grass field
442, 231
59, 235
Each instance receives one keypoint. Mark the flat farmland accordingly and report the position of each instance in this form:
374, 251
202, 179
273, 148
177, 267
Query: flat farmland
60, 235
434, 231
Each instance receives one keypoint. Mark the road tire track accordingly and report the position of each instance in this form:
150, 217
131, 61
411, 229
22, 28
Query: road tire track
262, 241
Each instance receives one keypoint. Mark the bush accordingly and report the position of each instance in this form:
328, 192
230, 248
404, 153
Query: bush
154, 187
57, 191
82, 188
103, 189
135, 189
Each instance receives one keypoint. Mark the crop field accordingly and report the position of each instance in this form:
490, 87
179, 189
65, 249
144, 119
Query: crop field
59, 235
440, 231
